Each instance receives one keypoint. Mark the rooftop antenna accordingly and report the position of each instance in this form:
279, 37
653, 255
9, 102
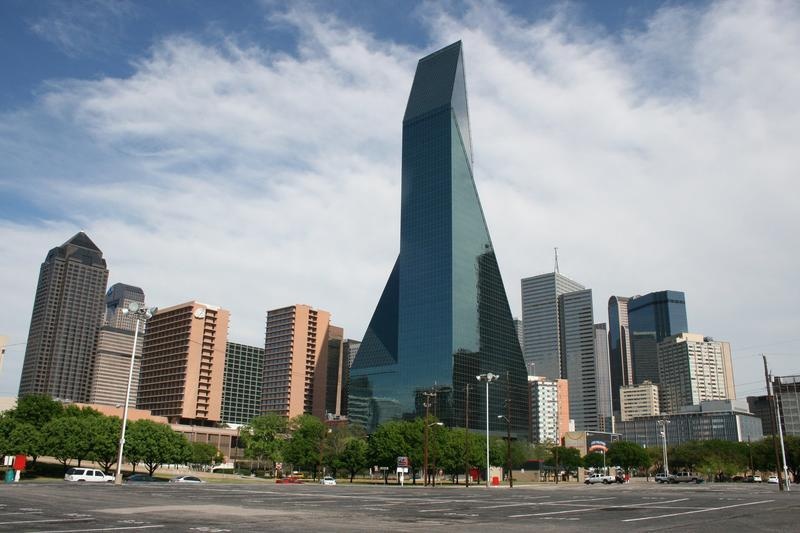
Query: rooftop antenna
556, 250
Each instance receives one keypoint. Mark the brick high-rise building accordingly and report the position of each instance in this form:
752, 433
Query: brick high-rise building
296, 341
67, 314
112, 356
183, 363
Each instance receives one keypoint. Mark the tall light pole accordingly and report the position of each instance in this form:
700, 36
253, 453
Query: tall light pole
663, 425
508, 451
427, 405
142, 314
488, 378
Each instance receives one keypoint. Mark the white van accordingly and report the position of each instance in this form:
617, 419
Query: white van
87, 474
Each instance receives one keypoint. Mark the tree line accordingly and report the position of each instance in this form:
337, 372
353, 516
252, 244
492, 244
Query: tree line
40, 426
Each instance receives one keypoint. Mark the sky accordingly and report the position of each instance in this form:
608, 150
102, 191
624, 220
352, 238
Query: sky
247, 154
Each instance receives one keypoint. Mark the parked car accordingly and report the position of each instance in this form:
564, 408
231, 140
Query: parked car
599, 478
289, 479
87, 474
752, 479
661, 477
773, 480
328, 480
685, 477
186, 479
140, 478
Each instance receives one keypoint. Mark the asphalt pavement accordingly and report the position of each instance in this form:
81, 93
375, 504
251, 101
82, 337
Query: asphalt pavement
81, 507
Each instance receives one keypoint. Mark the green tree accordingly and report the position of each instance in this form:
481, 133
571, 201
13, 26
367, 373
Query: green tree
104, 432
387, 443
628, 455
64, 439
593, 460
36, 409
18, 437
354, 456
304, 448
155, 445
334, 444
264, 438
569, 459
203, 453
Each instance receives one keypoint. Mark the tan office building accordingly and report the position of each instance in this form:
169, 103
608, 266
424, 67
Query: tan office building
183, 362
295, 346
692, 369
638, 400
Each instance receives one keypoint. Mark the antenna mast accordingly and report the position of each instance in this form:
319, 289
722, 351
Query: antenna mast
556, 268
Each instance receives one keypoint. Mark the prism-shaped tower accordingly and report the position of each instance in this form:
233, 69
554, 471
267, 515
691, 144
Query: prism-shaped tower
443, 317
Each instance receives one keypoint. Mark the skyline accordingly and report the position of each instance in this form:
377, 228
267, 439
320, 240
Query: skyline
210, 119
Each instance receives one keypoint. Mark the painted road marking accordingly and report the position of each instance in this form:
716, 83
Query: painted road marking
553, 512
100, 529
434, 510
49, 520
697, 511
565, 502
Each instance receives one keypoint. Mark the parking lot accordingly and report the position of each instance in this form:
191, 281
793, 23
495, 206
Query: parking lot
66, 507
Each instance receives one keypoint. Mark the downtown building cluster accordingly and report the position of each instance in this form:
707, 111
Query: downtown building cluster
442, 320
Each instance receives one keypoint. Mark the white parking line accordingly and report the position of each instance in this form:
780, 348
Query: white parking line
553, 512
49, 520
565, 502
697, 511
100, 529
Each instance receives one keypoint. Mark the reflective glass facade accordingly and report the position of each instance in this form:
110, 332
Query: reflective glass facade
619, 347
652, 318
443, 317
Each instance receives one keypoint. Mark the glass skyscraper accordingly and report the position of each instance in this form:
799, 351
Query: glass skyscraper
651, 319
443, 317
619, 347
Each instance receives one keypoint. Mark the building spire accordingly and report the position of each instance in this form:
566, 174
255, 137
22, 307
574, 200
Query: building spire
556, 265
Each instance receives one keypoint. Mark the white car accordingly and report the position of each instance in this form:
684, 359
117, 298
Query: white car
773, 479
328, 480
87, 474
186, 479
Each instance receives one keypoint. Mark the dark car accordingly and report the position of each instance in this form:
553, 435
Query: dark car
140, 478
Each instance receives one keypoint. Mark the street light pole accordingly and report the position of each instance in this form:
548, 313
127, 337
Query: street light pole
488, 378
663, 424
427, 405
142, 314
466, 437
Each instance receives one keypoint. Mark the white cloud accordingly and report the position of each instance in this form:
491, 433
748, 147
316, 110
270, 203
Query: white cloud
663, 158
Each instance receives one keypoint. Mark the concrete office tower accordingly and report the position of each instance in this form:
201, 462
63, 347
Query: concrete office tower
241, 383
443, 317
296, 340
619, 347
549, 409
693, 369
351, 347
541, 322
652, 318
603, 373
579, 362
518, 329
112, 358
183, 363
638, 400
787, 395
67, 313
331, 378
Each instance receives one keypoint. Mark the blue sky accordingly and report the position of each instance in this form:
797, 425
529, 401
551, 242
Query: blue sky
247, 154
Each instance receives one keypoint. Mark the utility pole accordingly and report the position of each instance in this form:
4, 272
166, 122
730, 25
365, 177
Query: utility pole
508, 430
466, 438
772, 407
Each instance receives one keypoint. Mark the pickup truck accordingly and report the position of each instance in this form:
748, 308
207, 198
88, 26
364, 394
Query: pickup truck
599, 478
685, 477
